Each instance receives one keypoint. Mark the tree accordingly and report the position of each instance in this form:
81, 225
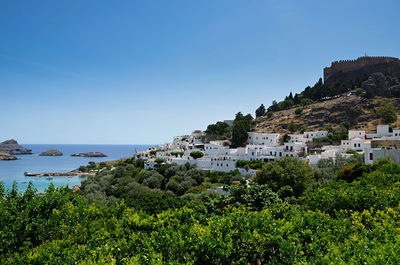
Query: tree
196, 154
221, 129
240, 132
260, 111
239, 116
286, 171
386, 111
306, 101
292, 127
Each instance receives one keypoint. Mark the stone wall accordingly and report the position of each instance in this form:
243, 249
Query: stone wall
361, 68
385, 143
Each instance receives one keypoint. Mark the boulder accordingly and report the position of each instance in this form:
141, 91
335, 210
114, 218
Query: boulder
52, 152
90, 154
381, 85
13, 148
7, 156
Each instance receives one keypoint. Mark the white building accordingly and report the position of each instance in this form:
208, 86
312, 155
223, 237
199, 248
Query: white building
381, 131
308, 136
373, 154
356, 134
270, 139
297, 138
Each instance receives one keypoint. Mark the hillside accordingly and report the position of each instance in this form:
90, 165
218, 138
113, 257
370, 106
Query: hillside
346, 109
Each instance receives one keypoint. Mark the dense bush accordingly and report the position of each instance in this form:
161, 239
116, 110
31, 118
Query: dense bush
196, 154
376, 186
253, 164
286, 171
66, 230
298, 111
334, 222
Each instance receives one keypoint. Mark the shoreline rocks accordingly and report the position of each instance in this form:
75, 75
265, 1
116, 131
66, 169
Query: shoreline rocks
51, 152
89, 154
7, 156
13, 148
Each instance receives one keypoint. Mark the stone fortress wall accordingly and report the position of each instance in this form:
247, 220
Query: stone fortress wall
365, 64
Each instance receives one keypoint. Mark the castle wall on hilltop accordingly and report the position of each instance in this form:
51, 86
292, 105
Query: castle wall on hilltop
361, 67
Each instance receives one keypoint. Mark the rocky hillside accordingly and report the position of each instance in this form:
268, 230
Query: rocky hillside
7, 156
345, 109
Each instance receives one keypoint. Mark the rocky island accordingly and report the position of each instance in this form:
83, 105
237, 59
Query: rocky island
90, 154
52, 152
7, 156
13, 148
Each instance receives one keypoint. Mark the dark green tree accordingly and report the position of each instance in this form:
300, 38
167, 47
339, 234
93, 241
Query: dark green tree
292, 127
260, 111
239, 116
240, 131
386, 111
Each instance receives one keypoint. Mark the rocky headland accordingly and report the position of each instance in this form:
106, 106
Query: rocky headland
52, 152
13, 148
89, 154
7, 156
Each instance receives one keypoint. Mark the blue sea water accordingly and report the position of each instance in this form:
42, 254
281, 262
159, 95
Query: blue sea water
11, 171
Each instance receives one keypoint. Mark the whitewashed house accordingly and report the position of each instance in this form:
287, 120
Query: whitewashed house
308, 136
356, 134
270, 139
373, 154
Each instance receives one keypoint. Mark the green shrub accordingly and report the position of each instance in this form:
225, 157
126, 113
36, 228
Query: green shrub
286, 171
196, 154
298, 111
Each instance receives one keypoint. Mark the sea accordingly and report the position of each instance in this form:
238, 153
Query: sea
11, 171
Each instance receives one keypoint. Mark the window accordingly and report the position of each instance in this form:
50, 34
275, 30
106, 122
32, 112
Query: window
355, 145
371, 156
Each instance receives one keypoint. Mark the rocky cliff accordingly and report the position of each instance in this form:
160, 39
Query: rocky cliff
12, 147
348, 108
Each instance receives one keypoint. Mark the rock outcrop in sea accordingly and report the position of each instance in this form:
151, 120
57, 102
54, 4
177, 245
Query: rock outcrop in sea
7, 156
52, 152
90, 154
13, 148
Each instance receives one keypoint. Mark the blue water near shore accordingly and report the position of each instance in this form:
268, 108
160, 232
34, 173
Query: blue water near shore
11, 171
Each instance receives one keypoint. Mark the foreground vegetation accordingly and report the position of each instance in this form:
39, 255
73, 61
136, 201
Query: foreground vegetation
131, 216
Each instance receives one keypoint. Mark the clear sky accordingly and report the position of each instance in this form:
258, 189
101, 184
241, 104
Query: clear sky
141, 72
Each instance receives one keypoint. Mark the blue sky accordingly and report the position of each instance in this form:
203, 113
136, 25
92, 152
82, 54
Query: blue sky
141, 72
